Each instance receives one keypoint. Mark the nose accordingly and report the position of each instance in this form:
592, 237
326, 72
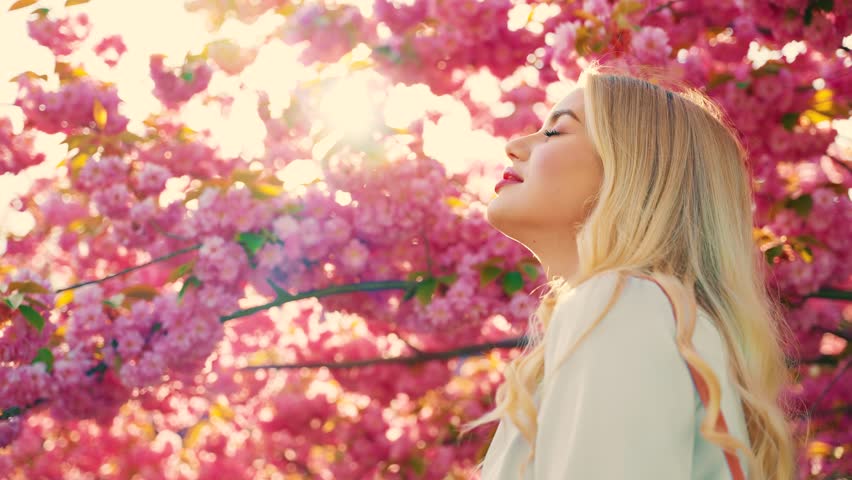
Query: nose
516, 148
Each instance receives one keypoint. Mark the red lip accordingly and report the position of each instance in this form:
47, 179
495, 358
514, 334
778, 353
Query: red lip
510, 173
504, 182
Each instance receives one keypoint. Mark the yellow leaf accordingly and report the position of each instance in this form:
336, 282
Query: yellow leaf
307, 84
21, 4
74, 141
823, 95
64, 298
816, 116
222, 411
192, 194
265, 190
146, 292
455, 202
99, 113
588, 16
147, 429
78, 162
130, 137
186, 134
361, 64
819, 449
220, 183
246, 176
59, 333
77, 225
287, 10
28, 74
626, 7
27, 287
192, 435
70, 3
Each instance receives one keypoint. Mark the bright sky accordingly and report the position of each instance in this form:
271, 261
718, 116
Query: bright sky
163, 26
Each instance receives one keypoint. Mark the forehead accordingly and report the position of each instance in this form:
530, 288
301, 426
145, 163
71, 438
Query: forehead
573, 101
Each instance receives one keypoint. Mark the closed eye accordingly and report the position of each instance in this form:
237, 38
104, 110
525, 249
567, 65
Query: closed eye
550, 133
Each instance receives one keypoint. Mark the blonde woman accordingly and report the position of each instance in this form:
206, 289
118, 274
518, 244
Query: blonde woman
637, 200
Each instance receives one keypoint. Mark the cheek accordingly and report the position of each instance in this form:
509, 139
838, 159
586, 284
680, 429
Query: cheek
568, 179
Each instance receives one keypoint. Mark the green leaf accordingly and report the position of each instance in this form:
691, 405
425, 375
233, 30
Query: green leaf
824, 5
802, 205
251, 242
414, 276
418, 464
488, 274
279, 292
806, 253
33, 317
530, 270
191, 281
512, 282
789, 120
181, 270
808, 17
114, 301
811, 240
14, 300
99, 368
409, 293
44, 356
10, 412
773, 252
448, 279
771, 67
717, 79
426, 289
117, 361
742, 85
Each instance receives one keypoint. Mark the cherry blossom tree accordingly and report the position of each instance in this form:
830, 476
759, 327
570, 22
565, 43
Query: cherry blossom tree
186, 312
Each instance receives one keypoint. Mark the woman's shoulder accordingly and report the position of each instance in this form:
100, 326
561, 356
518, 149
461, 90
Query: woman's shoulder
638, 296
606, 321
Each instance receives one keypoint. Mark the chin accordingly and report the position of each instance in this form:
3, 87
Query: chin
498, 219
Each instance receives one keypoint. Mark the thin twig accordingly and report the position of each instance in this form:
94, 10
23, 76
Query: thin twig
827, 388
467, 350
128, 270
160, 229
283, 297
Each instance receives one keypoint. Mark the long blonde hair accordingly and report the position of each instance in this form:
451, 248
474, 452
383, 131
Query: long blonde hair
675, 204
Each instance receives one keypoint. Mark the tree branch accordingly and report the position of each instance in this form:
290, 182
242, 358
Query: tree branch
825, 390
283, 297
424, 356
128, 270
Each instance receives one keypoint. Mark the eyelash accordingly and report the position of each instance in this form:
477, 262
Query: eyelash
550, 133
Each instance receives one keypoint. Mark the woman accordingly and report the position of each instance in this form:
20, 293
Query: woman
637, 201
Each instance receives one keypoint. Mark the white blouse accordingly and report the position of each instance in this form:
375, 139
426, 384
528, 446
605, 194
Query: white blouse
623, 405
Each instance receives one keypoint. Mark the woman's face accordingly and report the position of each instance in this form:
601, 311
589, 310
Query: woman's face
560, 172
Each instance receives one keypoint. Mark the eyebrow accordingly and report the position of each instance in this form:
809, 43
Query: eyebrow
566, 111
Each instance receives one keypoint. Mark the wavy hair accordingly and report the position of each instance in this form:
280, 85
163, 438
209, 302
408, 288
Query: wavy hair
675, 204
